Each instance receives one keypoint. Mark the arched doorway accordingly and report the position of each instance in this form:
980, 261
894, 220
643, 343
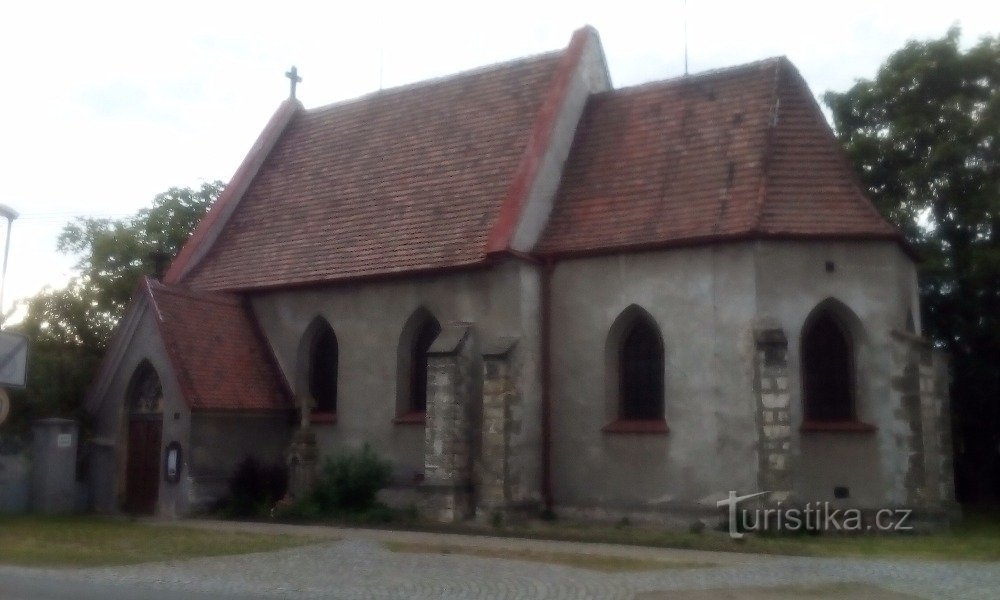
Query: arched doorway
145, 429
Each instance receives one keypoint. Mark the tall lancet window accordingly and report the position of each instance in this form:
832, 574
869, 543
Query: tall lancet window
426, 335
323, 363
641, 371
827, 369
419, 333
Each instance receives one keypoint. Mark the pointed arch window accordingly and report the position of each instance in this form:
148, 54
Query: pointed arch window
641, 372
323, 364
145, 392
415, 342
827, 370
638, 372
426, 335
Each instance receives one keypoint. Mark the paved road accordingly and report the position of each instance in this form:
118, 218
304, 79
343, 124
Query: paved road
358, 566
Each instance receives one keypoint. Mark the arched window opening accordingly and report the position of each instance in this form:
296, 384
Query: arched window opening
145, 391
640, 371
425, 336
827, 370
323, 369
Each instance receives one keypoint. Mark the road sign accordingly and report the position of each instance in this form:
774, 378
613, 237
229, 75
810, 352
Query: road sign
13, 359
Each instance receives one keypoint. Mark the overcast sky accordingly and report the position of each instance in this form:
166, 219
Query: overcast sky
106, 104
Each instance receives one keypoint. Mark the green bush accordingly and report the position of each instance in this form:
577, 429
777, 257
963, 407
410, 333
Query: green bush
349, 482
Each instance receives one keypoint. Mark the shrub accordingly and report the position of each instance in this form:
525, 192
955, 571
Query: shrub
255, 488
350, 481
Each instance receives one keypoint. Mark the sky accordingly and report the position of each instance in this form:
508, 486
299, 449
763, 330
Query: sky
106, 104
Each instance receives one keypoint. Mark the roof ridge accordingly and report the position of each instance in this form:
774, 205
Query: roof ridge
216, 297
787, 69
841, 156
765, 155
692, 78
438, 80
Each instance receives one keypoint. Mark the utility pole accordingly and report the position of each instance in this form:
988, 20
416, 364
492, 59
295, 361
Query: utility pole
10, 214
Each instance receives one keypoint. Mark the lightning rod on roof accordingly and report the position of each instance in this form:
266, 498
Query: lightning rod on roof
685, 37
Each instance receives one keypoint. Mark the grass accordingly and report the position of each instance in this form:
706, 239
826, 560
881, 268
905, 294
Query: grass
92, 541
832, 591
593, 562
976, 538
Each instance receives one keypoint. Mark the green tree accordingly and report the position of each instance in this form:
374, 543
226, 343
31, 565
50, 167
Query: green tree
925, 137
69, 328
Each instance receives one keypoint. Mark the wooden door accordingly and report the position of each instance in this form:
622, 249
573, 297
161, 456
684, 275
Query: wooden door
142, 475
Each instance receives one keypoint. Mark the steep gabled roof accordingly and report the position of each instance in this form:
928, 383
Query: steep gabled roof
737, 153
446, 173
401, 180
219, 356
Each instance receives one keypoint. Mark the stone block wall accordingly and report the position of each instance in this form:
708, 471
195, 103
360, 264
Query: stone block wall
939, 411
448, 430
922, 381
773, 414
499, 420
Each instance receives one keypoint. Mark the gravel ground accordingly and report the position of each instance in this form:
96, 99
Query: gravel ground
357, 565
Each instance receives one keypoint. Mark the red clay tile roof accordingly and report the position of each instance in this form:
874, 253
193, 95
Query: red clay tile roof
221, 360
700, 159
401, 180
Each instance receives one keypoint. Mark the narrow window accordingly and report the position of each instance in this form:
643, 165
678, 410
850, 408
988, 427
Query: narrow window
641, 372
323, 370
422, 341
827, 370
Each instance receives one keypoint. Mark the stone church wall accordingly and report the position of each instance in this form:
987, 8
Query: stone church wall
220, 441
703, 302
731, 318
872, 285
368, 319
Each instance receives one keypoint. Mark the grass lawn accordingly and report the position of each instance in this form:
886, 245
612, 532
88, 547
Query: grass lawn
594, 562
976, 538
92, 541
832, 591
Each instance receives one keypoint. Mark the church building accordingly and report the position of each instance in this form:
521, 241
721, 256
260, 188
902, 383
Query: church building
528, 289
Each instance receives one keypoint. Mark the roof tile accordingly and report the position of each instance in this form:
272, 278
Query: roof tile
699, 158
221, 360
405, 179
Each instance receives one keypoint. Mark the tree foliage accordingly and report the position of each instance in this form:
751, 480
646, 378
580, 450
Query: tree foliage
69, 328
925, 137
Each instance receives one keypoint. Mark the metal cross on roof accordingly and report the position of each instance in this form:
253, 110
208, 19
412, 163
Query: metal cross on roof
294, 79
